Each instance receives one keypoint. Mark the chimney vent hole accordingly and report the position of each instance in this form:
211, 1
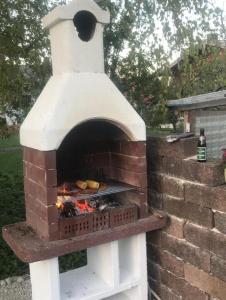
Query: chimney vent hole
85, 24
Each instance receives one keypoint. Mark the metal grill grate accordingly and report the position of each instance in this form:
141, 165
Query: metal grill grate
112, 188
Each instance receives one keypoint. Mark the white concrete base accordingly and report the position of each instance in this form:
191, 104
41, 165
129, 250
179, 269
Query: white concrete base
115, 271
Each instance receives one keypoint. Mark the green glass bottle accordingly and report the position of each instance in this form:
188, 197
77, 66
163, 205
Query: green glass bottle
202, 147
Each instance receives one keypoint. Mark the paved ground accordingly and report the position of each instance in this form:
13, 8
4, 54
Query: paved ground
15, 288
19, 288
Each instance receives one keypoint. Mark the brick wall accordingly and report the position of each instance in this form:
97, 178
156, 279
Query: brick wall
186, 260
124, 161
40, 181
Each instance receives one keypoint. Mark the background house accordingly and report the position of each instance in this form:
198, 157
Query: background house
206, 111
200, 69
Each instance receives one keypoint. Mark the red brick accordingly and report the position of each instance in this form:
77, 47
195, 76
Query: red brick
143, 211
129, 177
49, 214
44, 230
186, 251
181, 287
218, 267
133, 148
47, 196
212, 197
48, 232
46, 178
34, 173
51, 178
137, 197
175, 227
206, 239
167, 185
197, 214
135, 163
97, 160
42, 159
31, 219
184, 148
205, 282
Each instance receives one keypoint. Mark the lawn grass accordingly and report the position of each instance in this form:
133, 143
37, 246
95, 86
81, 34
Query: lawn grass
12, 210
162, 131
158, 131
11, 141
11, 163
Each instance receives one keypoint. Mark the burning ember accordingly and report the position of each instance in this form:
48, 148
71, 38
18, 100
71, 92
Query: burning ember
69, 206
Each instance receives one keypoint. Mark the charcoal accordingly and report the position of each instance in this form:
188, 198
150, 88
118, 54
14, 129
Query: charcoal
69, 210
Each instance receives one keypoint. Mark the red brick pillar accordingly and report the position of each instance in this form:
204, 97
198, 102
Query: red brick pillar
40, 181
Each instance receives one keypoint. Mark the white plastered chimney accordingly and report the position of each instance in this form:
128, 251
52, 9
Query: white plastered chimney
78, 90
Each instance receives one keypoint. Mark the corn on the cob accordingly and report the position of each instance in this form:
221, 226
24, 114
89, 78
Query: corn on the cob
81, 184
91, 184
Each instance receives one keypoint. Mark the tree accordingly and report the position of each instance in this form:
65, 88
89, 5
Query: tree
202, 70
24, 56
140, 40
138, 43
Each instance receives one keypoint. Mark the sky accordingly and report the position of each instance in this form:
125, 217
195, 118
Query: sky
176, 54
221, 4
216, 3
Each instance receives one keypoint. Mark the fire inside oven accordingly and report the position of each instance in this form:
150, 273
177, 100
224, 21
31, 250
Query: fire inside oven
90, 196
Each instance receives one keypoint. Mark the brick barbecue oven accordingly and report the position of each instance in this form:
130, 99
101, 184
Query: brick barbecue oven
80, 128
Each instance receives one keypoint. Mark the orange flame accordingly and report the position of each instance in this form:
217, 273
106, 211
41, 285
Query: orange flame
83, 205
59, 203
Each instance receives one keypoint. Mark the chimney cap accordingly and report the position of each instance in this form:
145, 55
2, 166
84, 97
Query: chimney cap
67, 12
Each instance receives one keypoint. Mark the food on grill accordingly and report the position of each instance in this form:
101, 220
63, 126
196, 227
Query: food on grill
91, 184
81, 184
59, 203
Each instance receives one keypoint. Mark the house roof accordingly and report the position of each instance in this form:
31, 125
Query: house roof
208, 42
201, 101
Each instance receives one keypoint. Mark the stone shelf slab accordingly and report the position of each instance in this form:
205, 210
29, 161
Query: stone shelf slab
30, 248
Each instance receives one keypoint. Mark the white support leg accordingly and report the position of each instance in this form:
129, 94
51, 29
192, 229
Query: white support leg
133, 260
45, 280
115, 271
142, 262
104, 261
